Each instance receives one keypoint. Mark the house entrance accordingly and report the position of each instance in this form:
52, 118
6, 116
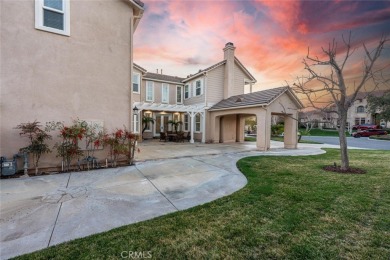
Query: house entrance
161, 124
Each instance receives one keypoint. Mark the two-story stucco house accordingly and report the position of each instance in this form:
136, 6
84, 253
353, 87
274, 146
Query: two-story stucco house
211, 103
358, 112
65, 59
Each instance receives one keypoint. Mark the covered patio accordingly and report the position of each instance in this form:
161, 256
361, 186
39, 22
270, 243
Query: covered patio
163, 113
227, 118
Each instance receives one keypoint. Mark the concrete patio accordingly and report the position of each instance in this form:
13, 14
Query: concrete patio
42, 211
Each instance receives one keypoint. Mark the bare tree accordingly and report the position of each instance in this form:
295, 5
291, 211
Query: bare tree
320, 84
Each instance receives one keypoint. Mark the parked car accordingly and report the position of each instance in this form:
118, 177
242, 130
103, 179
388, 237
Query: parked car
369, 132
364, 127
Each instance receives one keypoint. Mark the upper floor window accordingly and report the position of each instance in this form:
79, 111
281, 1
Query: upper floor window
52, 16
165, 93
149, 91
179, 94
136, 82
186, 91
198, 88
360, 109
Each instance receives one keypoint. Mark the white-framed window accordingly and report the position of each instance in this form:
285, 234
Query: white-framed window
186, 122
149, 91
148, 125
360, 109
135, 123
136, 82
165, 93
197, 123
179, 94
186, 91
53, 16
198, 88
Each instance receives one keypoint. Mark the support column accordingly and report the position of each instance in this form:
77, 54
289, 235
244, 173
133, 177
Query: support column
290, 132
192, 117
203, 115
240, 128
140, 126
261, 135
214, 128
268, 124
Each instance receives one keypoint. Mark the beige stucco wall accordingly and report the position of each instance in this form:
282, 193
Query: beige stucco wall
228, 125
46, 76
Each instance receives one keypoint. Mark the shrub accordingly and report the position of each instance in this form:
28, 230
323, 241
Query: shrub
37, 138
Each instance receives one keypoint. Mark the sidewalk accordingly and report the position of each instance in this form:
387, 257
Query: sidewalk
41, 211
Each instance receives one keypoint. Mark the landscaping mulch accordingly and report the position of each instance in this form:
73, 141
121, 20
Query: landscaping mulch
332, 168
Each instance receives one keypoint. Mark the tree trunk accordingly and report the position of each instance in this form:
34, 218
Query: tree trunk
343, 141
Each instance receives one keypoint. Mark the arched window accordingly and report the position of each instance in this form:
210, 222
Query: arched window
360, 109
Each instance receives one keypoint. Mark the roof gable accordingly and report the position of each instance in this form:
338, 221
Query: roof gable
216, 65
259, 98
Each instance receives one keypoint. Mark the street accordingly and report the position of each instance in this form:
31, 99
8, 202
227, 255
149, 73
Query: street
362, 142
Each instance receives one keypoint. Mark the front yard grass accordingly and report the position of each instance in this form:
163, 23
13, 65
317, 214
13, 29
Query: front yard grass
280, 139
289, 209
322, 132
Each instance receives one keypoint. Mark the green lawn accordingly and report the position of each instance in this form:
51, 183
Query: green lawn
321, 132
280, 139
289, 209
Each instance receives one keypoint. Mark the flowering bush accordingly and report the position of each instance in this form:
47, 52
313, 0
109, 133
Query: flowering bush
37, 137
68, 147
121, 143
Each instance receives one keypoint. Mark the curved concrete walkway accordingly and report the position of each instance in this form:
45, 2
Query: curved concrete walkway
38, 212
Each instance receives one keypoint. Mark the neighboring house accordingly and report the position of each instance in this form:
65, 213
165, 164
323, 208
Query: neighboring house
358, 113
212, 105
62, 60
318, 119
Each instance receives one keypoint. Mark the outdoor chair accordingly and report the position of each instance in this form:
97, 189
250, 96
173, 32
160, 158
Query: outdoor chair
180, 137
163, 136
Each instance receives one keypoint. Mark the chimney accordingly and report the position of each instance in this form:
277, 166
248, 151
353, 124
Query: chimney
161, 71
228, 54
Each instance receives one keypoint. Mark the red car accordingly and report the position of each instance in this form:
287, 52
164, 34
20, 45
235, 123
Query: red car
364, 127
369, 132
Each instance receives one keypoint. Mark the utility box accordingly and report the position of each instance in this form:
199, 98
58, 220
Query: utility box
8, 167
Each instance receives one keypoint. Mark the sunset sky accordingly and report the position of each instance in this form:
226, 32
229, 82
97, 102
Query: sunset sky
271, 37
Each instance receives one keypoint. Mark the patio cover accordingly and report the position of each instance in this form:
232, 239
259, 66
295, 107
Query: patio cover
191, 110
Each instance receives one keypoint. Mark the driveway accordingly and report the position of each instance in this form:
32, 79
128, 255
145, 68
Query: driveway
362, 142
38, 212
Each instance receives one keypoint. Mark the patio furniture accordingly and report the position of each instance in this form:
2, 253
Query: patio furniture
172, 137
188, 136
180, 137
163, 136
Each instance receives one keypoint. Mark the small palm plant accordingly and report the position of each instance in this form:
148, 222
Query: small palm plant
146, 120
175, 124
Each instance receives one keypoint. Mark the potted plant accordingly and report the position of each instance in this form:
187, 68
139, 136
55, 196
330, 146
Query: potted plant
37, 138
